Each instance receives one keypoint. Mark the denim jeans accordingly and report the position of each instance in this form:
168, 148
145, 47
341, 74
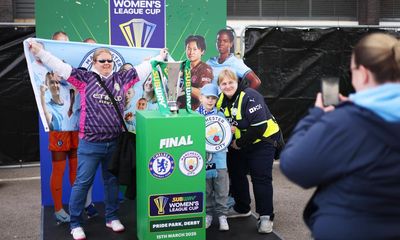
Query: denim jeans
217, 190
256, 160
90, 155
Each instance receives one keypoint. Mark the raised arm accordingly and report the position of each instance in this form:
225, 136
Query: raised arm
144, 69
59, 67
252, 78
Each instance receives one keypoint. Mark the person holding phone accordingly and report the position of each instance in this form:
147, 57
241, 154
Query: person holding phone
330, 91
351, 152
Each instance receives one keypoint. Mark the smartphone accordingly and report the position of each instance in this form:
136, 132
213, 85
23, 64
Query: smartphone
330, 91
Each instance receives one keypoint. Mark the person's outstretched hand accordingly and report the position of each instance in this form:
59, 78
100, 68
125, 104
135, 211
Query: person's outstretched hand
164, 54
34, 47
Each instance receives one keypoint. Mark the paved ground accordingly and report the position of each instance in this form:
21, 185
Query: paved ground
20, 211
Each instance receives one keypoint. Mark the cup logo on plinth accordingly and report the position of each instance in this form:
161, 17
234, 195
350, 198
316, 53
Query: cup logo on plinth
176, 204
161, 202
161, 165
137, 32
218, 133
191, 163
87, 60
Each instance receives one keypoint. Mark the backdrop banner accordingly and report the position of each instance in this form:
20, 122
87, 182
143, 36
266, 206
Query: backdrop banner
78, 55
137, 23
155, 24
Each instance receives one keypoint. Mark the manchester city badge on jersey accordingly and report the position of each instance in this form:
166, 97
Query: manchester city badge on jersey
60, 143
218, 133
234, 111
116, 86
161, 165
191, 163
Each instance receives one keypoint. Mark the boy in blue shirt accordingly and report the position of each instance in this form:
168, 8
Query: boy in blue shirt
217, 180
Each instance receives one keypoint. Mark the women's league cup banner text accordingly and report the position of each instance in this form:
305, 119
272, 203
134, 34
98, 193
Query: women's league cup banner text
137, 23
61, 100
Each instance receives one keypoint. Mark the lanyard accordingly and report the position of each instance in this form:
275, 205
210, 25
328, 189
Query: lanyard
233, 117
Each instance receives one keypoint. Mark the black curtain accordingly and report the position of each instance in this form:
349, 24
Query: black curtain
19, 137
291, 61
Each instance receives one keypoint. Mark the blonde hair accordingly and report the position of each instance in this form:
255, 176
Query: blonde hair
100, 51
226, 73
379, 53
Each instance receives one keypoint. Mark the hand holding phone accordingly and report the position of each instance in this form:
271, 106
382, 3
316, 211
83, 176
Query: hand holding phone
330, 91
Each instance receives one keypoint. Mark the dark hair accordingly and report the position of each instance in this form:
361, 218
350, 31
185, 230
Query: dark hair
124, 66
200, 41
379, 53
228, 32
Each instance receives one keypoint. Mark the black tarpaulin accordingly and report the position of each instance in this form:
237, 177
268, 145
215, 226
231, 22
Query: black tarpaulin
19, 137
291, 61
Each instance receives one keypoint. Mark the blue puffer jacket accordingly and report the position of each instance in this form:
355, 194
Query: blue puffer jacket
352, 156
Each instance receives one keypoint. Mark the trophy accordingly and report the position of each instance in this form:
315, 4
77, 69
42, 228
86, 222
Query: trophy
169, 79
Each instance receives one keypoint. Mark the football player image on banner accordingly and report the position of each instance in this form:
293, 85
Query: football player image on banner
52, 92
137, 23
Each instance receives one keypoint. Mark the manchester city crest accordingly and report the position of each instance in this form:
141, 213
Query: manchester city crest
191, 163
161, 165
218, 133
116, 86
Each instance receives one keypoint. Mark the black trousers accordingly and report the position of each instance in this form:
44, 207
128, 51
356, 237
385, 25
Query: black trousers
256, 160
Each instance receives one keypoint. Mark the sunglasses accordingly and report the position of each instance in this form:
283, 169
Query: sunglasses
104, 60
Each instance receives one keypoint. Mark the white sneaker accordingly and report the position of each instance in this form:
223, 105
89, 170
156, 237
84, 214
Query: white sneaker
264, 225
209, 219
78, 233
223, 223
115, 225
233, 214
61, 216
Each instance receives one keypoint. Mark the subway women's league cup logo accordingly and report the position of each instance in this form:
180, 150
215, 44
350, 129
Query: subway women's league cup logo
137, 32
176, 204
